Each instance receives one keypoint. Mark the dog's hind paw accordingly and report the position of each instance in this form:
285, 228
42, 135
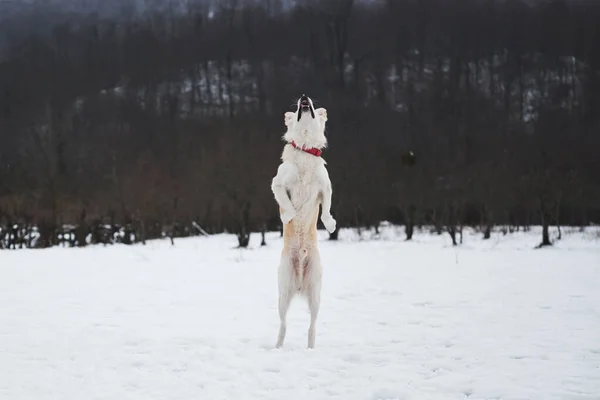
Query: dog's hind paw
329, 222
287, 216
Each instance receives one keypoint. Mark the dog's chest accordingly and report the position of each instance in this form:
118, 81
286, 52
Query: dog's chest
306, 179
305, 187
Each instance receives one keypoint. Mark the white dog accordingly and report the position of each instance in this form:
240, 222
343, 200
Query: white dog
300, 186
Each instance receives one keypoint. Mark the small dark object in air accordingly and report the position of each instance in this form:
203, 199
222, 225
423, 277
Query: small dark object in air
409, 158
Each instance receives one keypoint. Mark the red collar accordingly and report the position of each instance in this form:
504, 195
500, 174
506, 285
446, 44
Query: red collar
313, 150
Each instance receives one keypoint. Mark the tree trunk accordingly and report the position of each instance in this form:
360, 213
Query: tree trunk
81, 230
243, 238
451, 225
47, 231
357, 222
127, 232
229, 72
557, 217
263, 234
487, 233
452, 233
208, 91
409, 230
409, 223
334, 235
141, 228
244, 233
545, 234
545, 217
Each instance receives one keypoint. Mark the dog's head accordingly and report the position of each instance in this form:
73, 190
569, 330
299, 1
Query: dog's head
306, 126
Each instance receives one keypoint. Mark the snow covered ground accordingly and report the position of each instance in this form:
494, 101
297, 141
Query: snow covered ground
421, 320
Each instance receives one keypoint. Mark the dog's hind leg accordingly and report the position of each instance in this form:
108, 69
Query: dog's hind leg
314, 298
314, 302
285, 294
285, 298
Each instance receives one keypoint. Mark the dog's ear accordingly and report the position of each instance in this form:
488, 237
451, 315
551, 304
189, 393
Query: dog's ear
322, 112
287, 118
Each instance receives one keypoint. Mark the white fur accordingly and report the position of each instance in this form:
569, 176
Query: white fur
300, 186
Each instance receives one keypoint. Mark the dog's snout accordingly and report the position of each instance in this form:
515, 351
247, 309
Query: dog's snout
305, 106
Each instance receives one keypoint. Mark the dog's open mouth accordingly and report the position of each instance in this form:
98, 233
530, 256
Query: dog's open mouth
304, 105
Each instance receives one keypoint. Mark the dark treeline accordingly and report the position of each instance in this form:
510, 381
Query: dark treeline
449, 113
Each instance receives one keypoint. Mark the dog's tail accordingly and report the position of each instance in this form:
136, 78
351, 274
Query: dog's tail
300, 269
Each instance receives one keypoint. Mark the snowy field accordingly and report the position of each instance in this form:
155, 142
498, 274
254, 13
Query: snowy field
421, 320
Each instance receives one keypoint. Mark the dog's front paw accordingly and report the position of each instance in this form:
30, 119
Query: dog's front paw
329, 222
287, 216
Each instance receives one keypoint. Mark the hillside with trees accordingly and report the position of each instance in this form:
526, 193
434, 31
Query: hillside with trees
130, 126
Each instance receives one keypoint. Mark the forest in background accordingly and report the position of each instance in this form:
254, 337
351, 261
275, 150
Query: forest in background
169, 122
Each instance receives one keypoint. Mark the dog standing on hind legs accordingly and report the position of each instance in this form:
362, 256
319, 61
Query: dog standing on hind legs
300, 186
